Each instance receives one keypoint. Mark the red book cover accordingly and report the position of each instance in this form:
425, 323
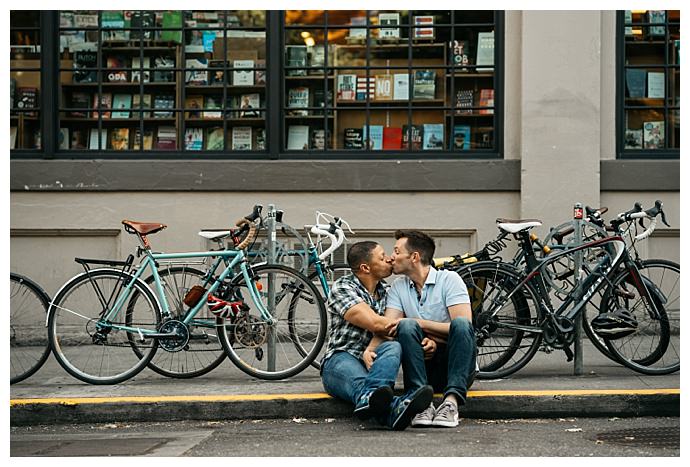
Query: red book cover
392, 138
486, 99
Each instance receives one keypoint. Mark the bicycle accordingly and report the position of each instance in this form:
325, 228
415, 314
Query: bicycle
29, 347
123, 321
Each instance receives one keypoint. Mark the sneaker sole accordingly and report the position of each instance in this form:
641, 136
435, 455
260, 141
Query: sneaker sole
420, 401
424, 423
445, 424
379, 403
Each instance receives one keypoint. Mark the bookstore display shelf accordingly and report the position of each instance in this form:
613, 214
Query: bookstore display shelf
389, 103
308, 117
469, 74
94, 86
220, 87
309, 77
219, 121
119, 121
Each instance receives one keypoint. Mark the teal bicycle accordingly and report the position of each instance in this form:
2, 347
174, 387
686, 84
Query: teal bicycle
106, 324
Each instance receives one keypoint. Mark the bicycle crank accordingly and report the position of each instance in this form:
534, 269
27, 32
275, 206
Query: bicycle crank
177, 336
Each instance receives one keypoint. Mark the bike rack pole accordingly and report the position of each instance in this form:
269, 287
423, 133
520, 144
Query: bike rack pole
577, 221
271, 232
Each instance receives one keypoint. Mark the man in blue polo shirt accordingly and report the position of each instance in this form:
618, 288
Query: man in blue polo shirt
436, 334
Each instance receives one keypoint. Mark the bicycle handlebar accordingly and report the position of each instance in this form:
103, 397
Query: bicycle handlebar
247, 224
637, 213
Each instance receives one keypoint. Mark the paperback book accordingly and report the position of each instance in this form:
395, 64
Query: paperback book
242, 77
424, 84
141, 70
106, 103
122, 103
242, 138
248, 104
461, 137
412, 137
142, 102
298, 98
115, 73
353, 138
197, 73
119, 139
433, 137
215, 139
78, 138
194, 139
373, 139
296, 56
298, 138
347, 84
194, 105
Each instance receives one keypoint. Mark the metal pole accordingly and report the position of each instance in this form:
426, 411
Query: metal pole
577, 220
271, 335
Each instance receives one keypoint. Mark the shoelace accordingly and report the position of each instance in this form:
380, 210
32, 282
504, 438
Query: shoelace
444, 409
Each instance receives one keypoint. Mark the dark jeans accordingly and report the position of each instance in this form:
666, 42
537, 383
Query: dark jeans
450, 369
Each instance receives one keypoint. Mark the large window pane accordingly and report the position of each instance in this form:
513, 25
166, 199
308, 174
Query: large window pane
25, 80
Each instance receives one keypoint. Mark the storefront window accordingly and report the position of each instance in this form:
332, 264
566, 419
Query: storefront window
25, 80
399, 81
651, 80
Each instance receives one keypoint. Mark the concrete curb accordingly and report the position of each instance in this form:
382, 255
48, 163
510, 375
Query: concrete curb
480, 404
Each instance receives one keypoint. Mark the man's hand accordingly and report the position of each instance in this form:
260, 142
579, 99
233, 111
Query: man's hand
368, 357
392, 327
429, 347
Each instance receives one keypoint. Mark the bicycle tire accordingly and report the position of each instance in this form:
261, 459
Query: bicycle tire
248, 341
204, 352
29, 348
72, 328
489, 283
654, 349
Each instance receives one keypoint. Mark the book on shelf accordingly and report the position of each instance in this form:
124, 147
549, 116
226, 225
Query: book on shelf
298, 137
636, 82
242, 138
243, 77
193, 105
212, 107
248, 104
141, 69
459, 54
197, 71
464, 101
383, 87
486, 99
161, 74
141, 24
119, 139
358, 33
216, 72
215, 139
392, 138
148, 140
85, 21
112, 23
297, 98
401, 87
373, 138
85, 63
423, 27
194, 139
353, 138
317, 58
628, 21
655, 85
97, 137
366, 87
140, 101
461, 137
208, 38
161, 103
633, 139
106, 104
485, 51
424, 84
63, 138
318, 138
166, 139
115, 72
346, 87
260, 73
122, 103
27, 99
654, 137
321, 101
433, 137
13, 137
296, 56
484, 136
171, 20
413, 134
656, 16
260, 139
35, 139
386, 20
78, 138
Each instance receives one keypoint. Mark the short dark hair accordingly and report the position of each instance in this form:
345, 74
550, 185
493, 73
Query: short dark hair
419, 242
360, 253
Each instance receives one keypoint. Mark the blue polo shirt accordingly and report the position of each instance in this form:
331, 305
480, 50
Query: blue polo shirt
441, 290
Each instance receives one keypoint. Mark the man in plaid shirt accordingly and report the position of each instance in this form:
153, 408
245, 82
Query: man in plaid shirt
349, 370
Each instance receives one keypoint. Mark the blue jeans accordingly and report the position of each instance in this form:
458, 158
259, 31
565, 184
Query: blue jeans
346, 377
452, 365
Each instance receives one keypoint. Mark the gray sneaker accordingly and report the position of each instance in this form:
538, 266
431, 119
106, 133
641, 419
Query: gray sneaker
424, 418
446, 415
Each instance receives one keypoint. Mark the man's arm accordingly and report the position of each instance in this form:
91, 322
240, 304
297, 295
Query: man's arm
439, 331
362, 316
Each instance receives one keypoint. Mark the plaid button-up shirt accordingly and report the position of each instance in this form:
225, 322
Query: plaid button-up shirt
347, 292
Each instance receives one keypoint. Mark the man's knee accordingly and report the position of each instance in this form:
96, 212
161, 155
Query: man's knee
461, 326
390, 348
408, 327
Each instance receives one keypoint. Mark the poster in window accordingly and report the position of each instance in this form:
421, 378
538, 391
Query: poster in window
654, 135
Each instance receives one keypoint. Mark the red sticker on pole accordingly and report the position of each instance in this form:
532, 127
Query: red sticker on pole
577, 211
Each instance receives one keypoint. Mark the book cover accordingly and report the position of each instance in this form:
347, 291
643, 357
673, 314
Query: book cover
242, 77
161, 74
484, 136
347, 84
212, 107
374, 138
384, 87
260, 139
148, 140
119, 139
423, 27
78, 139
464, 102
194, 106
242, 138
85, 63
194, 139
424, 84
412, 137
173, 20
207, 39
96, 138
297, 98
358, 33
459, 54
389, 19
249, 102
461, 137
433, 137
113, 23
401, 87
141, 69
161, 102
106, 103
353, 138
486, 99
115, 73
392, 138
636, 82
317, 59
654, 137
366, 87
321, 102
27, 99
122, 103
141, 23
215, 139
318, 139
656, 16
85, 21
197, 73
63, 138
260, 72
216, 72
485, 51
633, 139
296, 56
141, 102
167, 138
655, 85
298, 137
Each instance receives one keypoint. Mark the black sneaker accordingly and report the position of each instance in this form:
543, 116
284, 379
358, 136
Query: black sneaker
374, 403
407, 407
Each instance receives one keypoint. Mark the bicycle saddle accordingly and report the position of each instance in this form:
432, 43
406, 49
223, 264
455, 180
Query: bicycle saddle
143, 228
515, 226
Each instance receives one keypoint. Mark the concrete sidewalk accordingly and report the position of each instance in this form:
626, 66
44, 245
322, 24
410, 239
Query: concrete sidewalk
546, 387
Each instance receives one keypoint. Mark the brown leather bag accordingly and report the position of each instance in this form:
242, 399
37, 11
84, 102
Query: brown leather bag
194, 295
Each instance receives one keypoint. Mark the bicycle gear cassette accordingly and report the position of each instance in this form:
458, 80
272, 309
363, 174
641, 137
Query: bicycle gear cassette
250, 332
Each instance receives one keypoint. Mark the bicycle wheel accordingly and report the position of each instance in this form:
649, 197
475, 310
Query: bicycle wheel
29, 347
270, 351
204, 351
654, 348
92, 349
496, 304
